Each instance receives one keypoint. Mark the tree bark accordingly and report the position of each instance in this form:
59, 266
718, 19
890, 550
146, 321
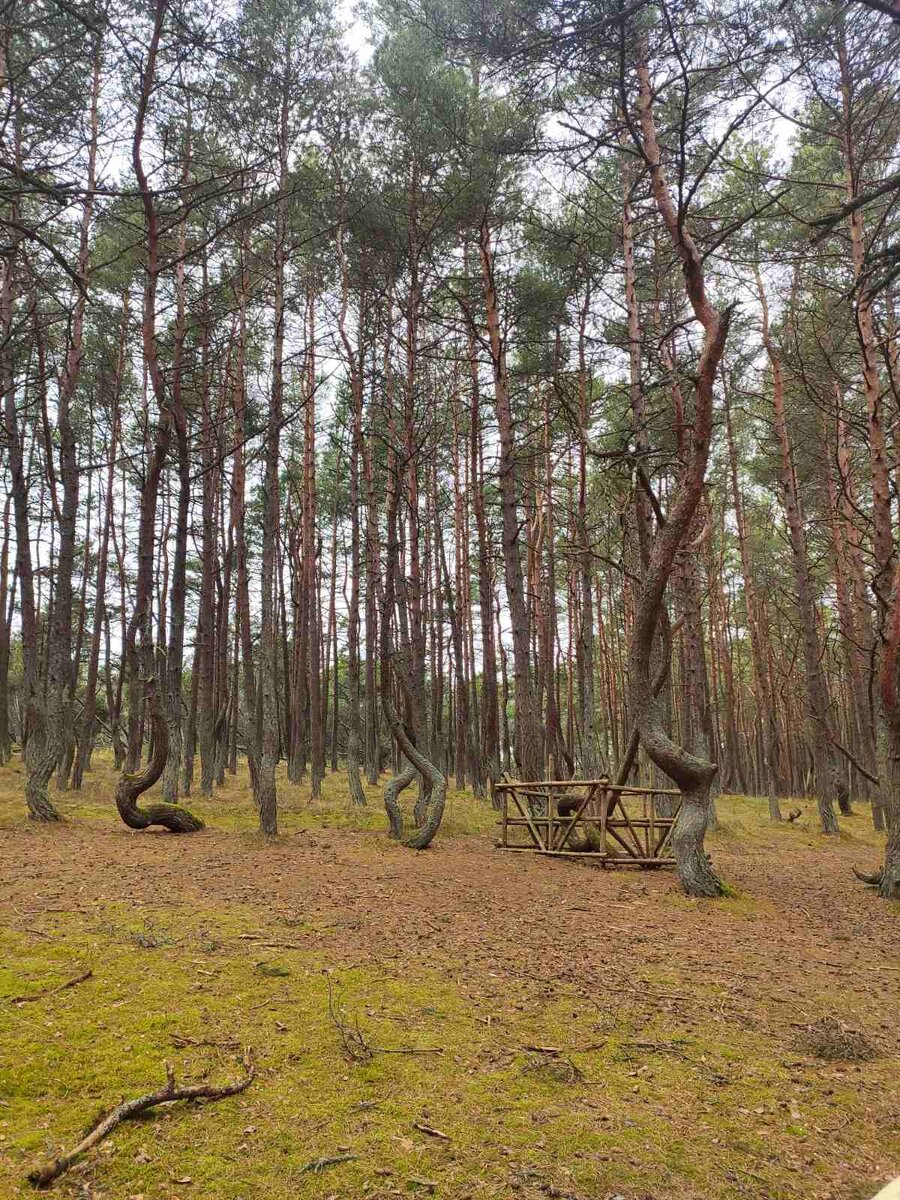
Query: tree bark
528, 734
817, 702
692, 775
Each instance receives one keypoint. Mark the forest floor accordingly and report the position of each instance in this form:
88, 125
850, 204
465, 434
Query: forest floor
522, 1027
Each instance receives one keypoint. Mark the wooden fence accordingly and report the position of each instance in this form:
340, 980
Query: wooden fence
619, 826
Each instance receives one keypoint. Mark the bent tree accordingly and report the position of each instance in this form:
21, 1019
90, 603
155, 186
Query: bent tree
139, 646
395, 673
692, 774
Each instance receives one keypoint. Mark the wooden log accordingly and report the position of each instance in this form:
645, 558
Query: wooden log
622, 860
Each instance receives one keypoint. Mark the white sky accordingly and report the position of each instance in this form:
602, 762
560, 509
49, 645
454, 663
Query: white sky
357, 35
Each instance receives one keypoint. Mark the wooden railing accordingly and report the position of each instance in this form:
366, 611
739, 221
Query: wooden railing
619, 826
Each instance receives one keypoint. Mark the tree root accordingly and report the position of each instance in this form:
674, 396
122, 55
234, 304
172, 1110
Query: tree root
42, 1177
887, 880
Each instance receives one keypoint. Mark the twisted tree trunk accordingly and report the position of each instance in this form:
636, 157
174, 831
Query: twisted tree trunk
693, 775
139, 638
433, 785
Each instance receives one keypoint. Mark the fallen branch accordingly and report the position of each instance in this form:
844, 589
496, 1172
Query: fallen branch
554, 1051
407, 1049
319, 1164
182, 1041
854, 762
653, 1048
53, 991
357, 1047
41, 1177
431, 1131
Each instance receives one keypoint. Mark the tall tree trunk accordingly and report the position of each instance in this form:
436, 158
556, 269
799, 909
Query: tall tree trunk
372, 739
39, 749
765, 699
885, 581
817, 702
855, 622
692, 775
139, 636
206, 617
7, 593
489, 728
356, 366
584, 645
268, 725
243, 632
393, 667
174, 667
88, 718
528, 733
310, 558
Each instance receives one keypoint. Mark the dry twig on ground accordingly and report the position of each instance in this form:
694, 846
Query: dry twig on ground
831, 1039
321, 1164
356, 1045
53, 991
41, 1177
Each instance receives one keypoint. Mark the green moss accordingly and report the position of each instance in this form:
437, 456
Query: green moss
541, 1090
604, 1125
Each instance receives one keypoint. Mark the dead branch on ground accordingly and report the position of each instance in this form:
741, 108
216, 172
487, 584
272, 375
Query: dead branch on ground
320, 1164
42, 1177
356, 1045
53, 991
